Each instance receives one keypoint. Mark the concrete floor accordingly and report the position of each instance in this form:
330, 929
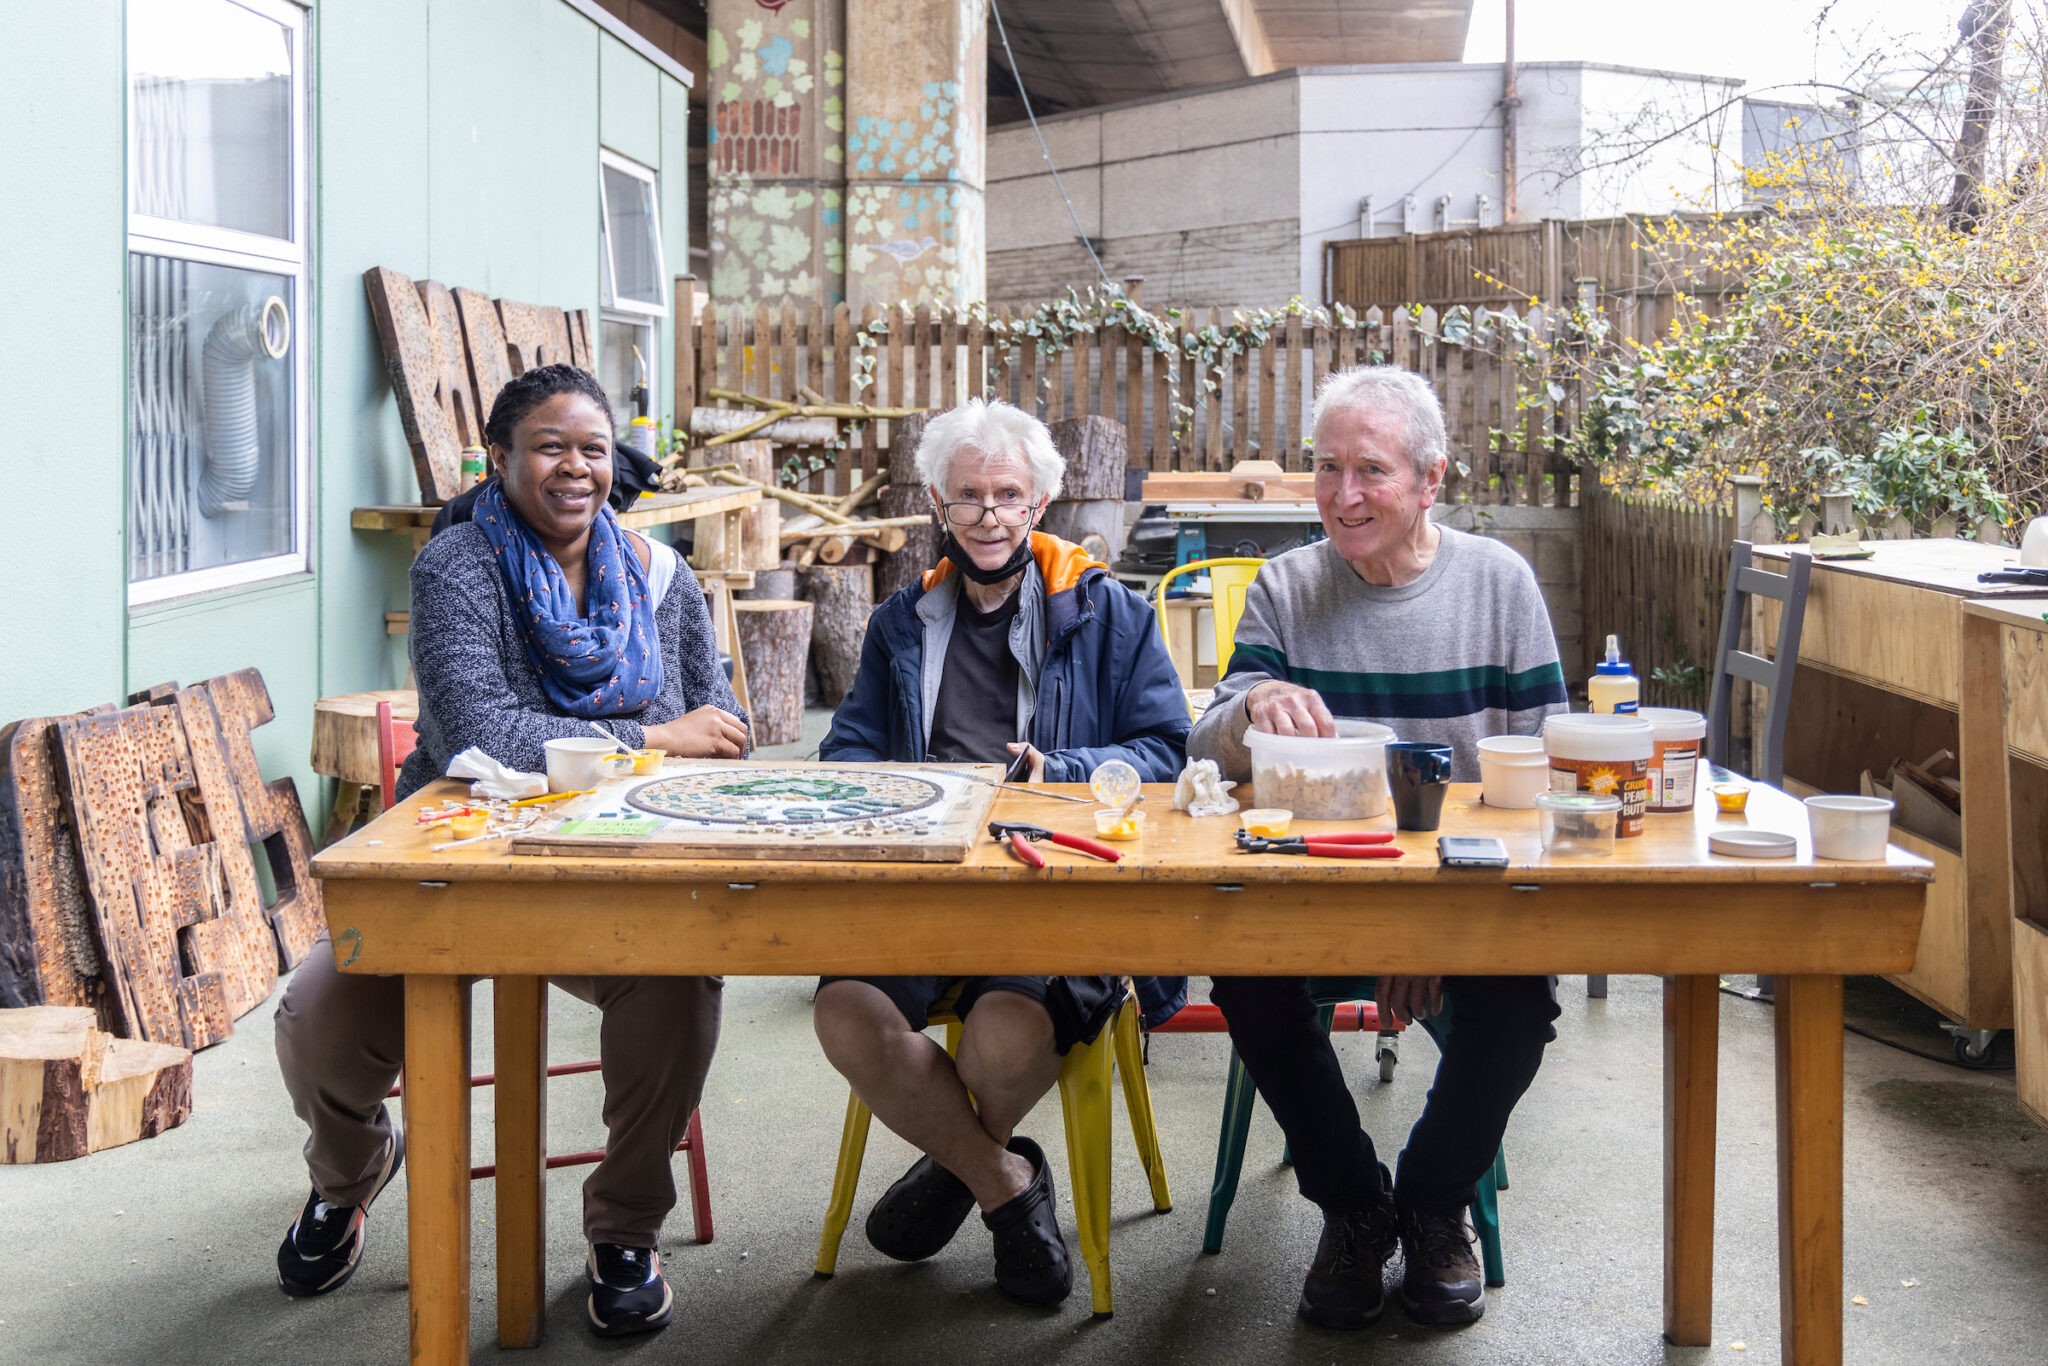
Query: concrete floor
162, 1251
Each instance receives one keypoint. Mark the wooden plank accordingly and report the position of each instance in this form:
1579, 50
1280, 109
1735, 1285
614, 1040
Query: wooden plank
1266, 434
519, 1105
2030, 1020
1054, 364
947, 394
688, 304
1216, 457
1030, 392
1083, 402
1164, 418
1987, 827
1692, 1036
1244, 430
483, 337
437, 1107
1808, 1027
2024, 671
1302, 401
453, 393
409, 361
243, 950
977, 356
870, 438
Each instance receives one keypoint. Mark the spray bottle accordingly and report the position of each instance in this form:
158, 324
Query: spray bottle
1612, 688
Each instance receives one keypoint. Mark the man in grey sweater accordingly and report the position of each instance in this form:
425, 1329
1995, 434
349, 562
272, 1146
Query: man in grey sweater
1443, 637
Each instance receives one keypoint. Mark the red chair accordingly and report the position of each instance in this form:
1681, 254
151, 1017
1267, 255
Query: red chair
1359, 1015
392, 749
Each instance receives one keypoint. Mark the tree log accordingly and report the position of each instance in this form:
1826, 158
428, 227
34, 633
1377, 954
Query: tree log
777, 584
906, 496
1072, 520
775, 640
68, 1089
789, 431
1096, 449
843, 597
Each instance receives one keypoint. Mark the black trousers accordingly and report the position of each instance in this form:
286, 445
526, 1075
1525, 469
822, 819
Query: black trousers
1498, 1028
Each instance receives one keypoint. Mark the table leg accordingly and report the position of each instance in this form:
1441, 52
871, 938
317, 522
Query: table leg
1809, 1039
520, 1024
437, 1165
1692, 1020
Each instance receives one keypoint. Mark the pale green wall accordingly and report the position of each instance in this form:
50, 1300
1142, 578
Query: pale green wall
455, 140
63, 299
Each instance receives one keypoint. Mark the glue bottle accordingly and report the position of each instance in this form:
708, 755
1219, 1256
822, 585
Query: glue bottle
1612, 688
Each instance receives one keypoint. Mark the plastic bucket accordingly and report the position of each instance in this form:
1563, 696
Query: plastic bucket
1676, 737
1322, 778
1512, 770
1605, 754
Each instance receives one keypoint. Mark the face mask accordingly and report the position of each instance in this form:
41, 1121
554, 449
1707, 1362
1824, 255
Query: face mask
951, 549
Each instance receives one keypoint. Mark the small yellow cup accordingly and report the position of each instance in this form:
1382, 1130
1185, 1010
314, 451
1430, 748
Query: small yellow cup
1112, 826
468, 827
646, 761
1731, 798
1268, 822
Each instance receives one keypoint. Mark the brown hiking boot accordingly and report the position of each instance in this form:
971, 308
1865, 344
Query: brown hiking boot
1345, 1286
1441, 1282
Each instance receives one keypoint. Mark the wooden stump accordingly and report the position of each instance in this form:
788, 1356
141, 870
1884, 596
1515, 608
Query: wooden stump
1096, 449
1079, 520
771, 585
905, 496
67, 1089
345, 732
842, 596
775, 639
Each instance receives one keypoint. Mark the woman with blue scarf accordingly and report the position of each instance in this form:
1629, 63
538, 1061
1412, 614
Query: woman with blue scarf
528, 622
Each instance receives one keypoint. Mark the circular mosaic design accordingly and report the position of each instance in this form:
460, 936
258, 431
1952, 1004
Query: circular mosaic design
787, 796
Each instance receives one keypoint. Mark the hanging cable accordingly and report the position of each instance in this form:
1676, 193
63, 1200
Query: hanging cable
997, 11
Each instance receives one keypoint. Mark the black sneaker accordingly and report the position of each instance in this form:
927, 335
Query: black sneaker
323, 1245
628, 1293
1345, 1286
1031, 1255
1441, 1282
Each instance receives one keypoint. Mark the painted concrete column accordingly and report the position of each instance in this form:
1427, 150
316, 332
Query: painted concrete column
916, 136
777, 152
847, 151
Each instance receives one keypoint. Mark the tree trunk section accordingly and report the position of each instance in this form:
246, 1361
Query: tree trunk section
68, 1089
904, 496
1096, 449
842, 596
776, 585
775, 640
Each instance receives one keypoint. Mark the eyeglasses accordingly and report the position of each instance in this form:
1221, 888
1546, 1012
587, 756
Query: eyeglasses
970, 513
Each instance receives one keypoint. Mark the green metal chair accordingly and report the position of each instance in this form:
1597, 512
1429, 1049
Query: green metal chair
1239, 1095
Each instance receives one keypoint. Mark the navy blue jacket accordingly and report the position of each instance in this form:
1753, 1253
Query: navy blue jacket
1106, 689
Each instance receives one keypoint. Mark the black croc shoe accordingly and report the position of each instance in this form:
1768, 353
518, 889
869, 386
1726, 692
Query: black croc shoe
325, 1243
1345, 1286
919, 1215
628, 1293
1031, 1256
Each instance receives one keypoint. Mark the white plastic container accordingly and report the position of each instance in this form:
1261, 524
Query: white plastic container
1578, 822
1675, 740
1607, 755
1850, 827
1323, 779
1512, 770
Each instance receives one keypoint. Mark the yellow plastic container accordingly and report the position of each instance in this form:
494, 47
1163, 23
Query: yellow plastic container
1112, 826
1268, 822
468, 827
646, 761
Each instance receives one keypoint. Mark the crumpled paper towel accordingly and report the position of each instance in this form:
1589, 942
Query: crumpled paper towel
1202, 790
489, 778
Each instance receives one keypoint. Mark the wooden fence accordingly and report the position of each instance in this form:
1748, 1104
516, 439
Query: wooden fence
1655, 573
1634, 277
1259, 407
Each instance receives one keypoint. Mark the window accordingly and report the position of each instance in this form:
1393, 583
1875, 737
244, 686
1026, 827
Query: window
218, 387
635, 292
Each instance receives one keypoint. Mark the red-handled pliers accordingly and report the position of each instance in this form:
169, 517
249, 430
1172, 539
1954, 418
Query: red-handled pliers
1019, 834
1343, 844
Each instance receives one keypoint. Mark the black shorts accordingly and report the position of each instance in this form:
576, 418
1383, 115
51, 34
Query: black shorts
1079, 1006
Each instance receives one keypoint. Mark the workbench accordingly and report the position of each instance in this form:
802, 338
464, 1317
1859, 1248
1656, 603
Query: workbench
2022, 634
1892, 668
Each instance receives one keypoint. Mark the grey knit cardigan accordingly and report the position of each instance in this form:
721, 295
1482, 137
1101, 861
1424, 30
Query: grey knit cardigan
478, 687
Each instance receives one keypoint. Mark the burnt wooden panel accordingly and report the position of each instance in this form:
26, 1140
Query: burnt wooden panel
490, 365
408, 341
49, 948
242, 946
271, 813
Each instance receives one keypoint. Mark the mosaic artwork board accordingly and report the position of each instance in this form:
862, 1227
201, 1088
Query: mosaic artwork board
910, 813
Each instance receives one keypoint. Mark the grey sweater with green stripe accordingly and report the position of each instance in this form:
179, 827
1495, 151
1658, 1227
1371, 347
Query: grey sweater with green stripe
1462, 653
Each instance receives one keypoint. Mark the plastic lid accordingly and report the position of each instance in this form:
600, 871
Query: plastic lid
1617, 667
1578, 803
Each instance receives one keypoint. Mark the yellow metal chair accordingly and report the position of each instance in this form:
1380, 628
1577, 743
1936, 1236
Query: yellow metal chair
1084, 1096
1229, 578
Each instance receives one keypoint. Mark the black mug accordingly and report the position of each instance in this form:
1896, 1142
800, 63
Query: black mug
1419, 774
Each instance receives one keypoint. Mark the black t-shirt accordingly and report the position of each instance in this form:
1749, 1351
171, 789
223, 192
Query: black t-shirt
976, 715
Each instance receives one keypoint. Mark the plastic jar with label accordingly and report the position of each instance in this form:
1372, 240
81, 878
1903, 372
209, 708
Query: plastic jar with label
1608, 755
1676, 736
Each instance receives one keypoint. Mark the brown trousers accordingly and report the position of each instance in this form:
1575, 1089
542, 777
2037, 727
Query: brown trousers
341, 1041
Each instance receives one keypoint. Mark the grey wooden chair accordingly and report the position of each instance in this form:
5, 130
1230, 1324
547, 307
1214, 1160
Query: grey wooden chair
1774, 675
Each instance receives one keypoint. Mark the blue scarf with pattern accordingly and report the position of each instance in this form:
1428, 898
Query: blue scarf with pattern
606, 662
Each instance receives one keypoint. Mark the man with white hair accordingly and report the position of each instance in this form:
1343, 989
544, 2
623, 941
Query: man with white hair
1444, 637
1017, 648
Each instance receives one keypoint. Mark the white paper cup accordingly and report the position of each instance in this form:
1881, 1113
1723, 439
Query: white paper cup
1856, 828
577, 765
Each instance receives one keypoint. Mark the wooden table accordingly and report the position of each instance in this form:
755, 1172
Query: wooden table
1892, 668
2022, 641
1182, 902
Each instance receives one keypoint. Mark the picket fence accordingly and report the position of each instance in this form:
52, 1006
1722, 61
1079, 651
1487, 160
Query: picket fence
1181, 415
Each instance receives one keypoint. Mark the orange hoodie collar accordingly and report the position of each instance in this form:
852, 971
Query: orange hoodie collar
1062, 563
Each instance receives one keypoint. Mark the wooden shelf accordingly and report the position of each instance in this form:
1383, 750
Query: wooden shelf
653, 509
